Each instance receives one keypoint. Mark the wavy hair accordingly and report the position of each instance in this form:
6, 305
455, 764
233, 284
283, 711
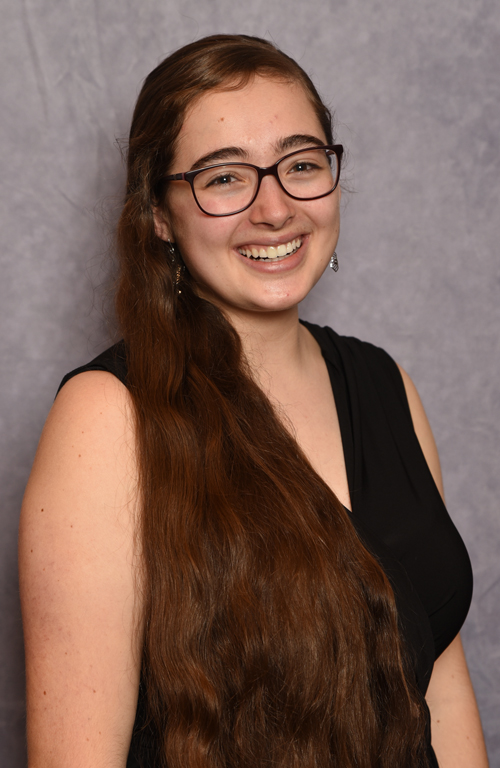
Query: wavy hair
271, 634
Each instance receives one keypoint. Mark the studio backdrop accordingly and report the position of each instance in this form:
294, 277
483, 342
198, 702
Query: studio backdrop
415, 87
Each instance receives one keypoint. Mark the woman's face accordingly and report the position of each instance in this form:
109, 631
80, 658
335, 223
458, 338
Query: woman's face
257, 124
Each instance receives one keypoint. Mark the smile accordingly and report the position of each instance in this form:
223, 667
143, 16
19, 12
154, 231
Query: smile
271, 253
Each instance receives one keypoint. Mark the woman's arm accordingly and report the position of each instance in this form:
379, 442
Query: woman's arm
79, 580
457, 735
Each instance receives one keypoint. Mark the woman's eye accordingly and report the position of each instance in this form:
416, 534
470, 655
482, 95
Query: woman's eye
303, 166
222, 180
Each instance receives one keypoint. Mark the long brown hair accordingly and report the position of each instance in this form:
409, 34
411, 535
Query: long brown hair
271, 634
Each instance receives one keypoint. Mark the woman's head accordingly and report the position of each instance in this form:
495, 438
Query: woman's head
241, 93
267, 256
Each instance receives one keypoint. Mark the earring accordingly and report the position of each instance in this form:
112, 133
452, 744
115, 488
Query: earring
171, 250
179, 268
178, 277
334, 262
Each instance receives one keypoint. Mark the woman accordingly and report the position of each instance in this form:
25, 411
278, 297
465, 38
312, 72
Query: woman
230, 518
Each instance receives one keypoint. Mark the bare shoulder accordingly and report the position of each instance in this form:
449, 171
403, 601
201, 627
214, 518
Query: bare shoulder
96, 399
79, 567
87, 447
423, 430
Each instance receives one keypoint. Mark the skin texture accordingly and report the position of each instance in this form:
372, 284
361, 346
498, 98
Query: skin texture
79, 555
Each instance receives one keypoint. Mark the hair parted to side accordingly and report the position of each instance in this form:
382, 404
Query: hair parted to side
271, 634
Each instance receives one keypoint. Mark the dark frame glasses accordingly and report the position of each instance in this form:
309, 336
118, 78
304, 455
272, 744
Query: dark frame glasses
271, 170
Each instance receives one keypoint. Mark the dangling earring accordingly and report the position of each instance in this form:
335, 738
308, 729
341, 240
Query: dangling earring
334, 262
171, 250
178, 276
179, 269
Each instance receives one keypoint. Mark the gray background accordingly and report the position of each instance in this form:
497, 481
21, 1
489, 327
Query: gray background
416, 89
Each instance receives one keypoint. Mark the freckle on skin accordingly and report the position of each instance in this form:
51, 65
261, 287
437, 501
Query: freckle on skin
79, 455
45, 693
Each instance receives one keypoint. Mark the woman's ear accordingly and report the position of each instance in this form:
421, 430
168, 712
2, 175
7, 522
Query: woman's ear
162, 228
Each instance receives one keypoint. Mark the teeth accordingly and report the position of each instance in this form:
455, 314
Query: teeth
271, 252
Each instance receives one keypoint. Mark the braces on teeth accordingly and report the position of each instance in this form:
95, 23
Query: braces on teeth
272, 252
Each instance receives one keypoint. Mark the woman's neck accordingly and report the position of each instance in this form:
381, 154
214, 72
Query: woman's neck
278, 348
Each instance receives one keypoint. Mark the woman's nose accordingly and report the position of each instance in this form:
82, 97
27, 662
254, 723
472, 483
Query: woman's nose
272, 205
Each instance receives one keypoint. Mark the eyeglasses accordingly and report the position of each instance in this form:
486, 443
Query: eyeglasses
228, 188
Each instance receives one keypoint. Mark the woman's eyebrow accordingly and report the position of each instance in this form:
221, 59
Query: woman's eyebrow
225, 153
296, 141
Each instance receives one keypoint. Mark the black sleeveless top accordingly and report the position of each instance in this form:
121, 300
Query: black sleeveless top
396, 507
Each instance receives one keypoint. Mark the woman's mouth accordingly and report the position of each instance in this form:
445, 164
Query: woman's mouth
271, 252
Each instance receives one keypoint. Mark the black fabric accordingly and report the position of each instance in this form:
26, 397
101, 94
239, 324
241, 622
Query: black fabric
396, 507
392, 490
112, 360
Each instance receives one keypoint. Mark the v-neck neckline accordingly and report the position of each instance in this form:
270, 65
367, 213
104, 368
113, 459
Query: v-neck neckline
339, 392
337, 378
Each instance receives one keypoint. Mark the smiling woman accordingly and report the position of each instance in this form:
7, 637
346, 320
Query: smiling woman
271, 210
234, 547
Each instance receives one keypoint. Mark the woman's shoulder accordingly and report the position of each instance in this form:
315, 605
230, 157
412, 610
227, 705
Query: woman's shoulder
90, 430
373, 369
357, 357
112, 360
88, 441
95, 398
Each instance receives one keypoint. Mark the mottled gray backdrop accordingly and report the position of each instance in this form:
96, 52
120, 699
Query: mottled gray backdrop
416, 89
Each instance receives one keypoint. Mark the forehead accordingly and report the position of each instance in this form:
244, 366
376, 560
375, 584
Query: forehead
254, 118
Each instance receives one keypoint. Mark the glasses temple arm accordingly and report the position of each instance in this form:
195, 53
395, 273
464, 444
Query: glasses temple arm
174, 177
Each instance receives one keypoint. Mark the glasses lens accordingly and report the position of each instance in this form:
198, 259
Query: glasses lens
309, 173
225, 188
